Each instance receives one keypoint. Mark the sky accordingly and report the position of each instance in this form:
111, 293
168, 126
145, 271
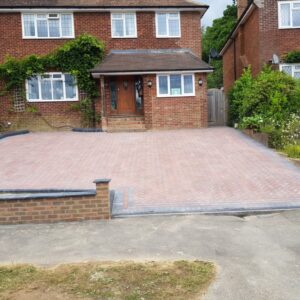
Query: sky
216, 8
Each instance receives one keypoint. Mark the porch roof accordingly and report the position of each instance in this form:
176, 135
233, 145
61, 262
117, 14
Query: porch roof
150, 62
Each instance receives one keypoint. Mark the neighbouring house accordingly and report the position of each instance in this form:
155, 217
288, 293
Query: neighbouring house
266, 30
152, 76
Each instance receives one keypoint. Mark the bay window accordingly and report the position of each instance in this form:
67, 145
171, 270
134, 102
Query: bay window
123, 25
168, 25
289, 14
175, 85
52, 87
48, 25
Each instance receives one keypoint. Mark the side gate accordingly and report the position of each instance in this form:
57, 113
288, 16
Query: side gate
217, 108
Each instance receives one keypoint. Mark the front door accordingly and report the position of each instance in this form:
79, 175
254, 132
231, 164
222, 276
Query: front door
126, 95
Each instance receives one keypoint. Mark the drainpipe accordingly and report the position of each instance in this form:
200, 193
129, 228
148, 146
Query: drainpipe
234, 58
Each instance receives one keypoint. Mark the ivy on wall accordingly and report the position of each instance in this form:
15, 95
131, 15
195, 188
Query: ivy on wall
76, 57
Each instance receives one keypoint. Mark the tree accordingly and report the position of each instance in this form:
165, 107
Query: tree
214, 37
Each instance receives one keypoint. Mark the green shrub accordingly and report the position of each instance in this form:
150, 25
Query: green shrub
276, 140
293, 151
272, 95
255, 123
282, 134
292, 57
241, 92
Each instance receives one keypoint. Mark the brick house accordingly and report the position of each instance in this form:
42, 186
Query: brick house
151, 78
266, 29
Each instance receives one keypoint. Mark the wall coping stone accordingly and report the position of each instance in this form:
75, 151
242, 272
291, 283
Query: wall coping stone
10, 195
103, 180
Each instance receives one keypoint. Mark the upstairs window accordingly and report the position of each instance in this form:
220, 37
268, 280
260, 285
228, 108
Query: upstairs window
52, 87
175, 85
168, 25
291, 69
289, 14
45, 26
123, 25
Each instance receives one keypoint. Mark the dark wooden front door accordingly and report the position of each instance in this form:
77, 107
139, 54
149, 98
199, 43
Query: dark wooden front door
126, 95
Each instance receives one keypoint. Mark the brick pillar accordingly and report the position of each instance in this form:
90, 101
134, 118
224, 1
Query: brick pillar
103, 104
103, 197
148, 100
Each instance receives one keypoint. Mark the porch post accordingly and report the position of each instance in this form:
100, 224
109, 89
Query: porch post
103, 104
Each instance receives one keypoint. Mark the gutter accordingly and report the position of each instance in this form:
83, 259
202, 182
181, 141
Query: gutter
103, 8
97, 74
234, 58
240, 22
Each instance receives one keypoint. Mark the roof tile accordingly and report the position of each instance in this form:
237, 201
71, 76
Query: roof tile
132, 61
100, 3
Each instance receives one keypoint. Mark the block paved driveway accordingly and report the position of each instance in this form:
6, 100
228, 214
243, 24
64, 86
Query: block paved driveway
159, 171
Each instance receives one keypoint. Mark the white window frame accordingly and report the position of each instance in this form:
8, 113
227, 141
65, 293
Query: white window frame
169, 95
167, 36
291, 15
281, 66
124, 24
72, 36
65, 99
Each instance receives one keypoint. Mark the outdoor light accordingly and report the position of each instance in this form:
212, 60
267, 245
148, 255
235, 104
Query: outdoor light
200, 82
149, 83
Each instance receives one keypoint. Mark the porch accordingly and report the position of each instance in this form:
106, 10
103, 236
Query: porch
152, 89
123, 103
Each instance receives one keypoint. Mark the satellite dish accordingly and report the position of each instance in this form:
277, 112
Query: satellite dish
214, 53
275, 59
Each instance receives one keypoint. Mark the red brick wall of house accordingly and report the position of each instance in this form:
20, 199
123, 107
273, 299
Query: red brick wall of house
228, 68
274, 40
177, 112
262, 39
99, 25
173, 112
247, 51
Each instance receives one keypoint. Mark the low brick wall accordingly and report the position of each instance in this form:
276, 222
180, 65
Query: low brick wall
262, 138
20, 207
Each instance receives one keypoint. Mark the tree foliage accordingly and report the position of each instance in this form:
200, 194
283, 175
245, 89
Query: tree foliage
214, 37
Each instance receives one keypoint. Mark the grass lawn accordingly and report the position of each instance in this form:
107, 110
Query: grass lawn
123, 280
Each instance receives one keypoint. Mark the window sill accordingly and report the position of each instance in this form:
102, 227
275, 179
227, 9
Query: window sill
289, 27
124, 37
56, 101
175, 96
168, 37
48, 38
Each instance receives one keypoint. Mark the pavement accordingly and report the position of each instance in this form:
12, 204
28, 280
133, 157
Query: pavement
257, 257
155, 171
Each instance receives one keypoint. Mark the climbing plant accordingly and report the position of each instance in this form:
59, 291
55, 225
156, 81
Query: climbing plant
76, 57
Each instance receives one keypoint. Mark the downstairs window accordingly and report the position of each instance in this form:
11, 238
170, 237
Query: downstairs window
175, 85
52, 87
291, 69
